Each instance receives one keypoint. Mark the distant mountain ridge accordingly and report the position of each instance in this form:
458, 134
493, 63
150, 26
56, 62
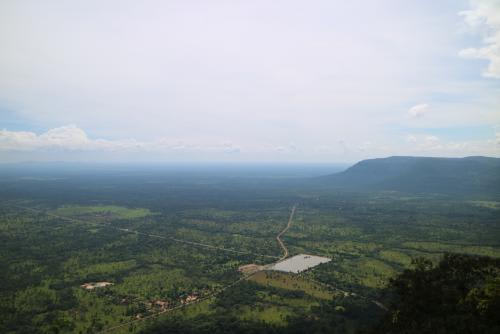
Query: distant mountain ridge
477, 175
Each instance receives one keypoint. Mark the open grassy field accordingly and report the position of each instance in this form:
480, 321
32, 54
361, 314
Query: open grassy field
292, 282
105, 210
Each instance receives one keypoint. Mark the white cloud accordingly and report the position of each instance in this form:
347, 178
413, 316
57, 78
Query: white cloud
427, 143
365, 146
72, 138
497, 138
288, 149
229, 148
419, 110
484, 17
422, 144
411, 139
432, 140
323, 149
65, 138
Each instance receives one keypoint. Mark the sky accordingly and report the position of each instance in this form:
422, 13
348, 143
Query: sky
283, 80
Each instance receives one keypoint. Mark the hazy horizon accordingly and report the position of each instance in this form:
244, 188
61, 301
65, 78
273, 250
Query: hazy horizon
210, 163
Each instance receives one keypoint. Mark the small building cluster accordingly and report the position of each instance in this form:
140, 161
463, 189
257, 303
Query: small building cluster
159, 305
189, 298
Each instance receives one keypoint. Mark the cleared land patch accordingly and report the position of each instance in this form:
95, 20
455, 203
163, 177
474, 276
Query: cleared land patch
250, 268
94, 285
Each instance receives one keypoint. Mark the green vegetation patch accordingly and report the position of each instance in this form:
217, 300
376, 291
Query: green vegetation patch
108, 267
369, 272
292, 282
96, 311
154, 283
107, 210
271, 314
442, 248
396, 257
486, 204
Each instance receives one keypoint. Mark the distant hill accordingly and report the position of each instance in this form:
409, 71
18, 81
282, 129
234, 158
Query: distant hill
470, 175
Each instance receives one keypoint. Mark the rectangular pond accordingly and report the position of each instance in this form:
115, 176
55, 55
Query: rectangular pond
299, 263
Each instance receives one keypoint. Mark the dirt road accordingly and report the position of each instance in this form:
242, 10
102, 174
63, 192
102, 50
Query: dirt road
278, 237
